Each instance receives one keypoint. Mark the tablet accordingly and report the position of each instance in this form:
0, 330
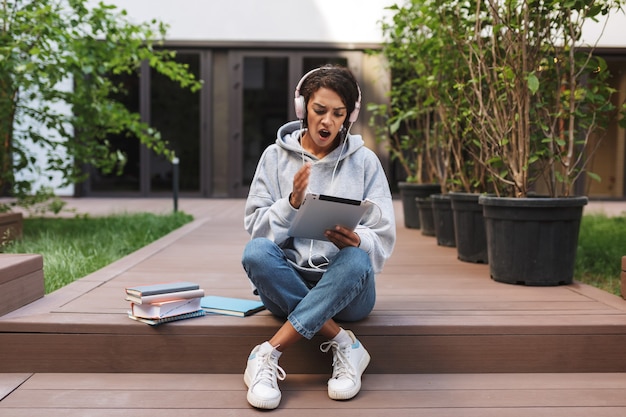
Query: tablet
320, 212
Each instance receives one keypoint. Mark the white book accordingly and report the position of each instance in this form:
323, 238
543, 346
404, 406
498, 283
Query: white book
166, 308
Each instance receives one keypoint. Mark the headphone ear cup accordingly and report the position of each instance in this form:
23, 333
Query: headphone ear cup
357, 107
300, 108
355, 113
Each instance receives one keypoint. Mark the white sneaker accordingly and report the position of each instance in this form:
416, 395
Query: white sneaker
349, 363
261, 377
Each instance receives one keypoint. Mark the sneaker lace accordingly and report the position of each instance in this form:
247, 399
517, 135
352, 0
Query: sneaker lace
341, 361
269, 370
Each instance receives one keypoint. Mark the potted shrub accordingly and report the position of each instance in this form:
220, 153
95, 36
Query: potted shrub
403, 124
407, 147
442, 65
537, 101
426, 65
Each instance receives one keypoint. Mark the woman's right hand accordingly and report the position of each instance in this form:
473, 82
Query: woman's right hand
300, 185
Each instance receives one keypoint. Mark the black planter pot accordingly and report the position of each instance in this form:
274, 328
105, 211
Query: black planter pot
469, 228
408, 193
532, 241
427, 221
443, 220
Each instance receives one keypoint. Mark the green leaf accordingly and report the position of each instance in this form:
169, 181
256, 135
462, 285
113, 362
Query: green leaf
533, 83
594, 176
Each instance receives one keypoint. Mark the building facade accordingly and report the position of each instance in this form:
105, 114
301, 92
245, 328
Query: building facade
250, 55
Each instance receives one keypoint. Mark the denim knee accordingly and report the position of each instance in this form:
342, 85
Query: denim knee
255, 250
358, 258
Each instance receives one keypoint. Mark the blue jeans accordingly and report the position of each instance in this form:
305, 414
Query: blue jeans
346, 291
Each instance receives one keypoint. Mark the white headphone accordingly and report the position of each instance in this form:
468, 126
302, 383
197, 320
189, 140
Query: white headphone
300, 105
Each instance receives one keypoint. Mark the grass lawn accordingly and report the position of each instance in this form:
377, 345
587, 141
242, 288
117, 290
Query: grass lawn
601, 245
74, 247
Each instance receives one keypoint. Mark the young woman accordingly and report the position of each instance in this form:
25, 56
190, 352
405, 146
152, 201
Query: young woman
315, 283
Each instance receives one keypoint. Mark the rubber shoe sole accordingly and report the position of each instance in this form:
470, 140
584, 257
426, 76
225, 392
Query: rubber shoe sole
257, 401
335, 394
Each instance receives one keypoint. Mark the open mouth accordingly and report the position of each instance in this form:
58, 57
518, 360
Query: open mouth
324, 133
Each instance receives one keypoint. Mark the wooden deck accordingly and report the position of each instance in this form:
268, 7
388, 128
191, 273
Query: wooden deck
445, 339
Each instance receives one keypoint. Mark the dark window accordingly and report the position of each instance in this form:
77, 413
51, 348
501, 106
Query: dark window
265, 107
127, 144
175, 112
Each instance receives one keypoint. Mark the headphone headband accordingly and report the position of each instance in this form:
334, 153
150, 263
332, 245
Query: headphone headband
300, 105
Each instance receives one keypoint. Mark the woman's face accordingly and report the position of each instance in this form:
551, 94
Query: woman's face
325, 116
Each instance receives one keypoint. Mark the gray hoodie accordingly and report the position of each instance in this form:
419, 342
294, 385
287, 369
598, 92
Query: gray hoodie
358, 175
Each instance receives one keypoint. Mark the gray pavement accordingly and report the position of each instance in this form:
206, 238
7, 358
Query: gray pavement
97, 206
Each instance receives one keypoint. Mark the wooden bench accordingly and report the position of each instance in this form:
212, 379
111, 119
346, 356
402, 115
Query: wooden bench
21, 280
10, 227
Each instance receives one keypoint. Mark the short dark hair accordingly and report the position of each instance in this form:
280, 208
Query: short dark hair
334, 77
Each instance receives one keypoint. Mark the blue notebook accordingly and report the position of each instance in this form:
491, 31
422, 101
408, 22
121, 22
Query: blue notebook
230, 306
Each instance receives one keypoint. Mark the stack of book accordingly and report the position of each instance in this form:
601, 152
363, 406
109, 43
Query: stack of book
161, 303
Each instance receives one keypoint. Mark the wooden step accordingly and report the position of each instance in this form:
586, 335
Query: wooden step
21, 280
434, 314
397, 343
405, 395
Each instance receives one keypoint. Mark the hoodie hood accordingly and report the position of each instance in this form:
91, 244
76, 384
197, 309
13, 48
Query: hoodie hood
288, 138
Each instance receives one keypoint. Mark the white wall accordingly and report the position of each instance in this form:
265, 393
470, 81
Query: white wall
612, 35
340, 21
344, 21
41, 176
